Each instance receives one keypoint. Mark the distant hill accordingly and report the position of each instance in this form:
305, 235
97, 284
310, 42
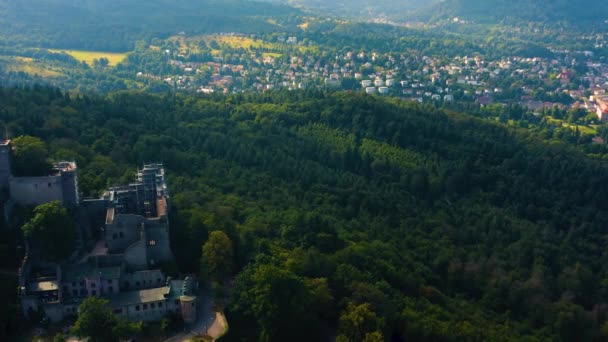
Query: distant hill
115, 25
360, 8
575, 12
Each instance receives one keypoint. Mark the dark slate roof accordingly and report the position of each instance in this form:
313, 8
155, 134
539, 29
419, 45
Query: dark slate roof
81, 271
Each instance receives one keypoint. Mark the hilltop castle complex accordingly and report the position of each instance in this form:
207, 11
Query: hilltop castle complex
122, 243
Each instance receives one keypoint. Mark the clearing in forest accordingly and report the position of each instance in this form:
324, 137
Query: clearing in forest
89, 56
29, 66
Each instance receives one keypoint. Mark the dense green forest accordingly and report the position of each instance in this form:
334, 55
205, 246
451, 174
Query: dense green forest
116, 25
388, 38
351, 215
361, 9
585, 13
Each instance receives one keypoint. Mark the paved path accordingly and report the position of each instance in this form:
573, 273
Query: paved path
208, 321
219, 326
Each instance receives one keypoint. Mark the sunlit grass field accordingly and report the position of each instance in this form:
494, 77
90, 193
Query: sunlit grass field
586, 130
239, 42
29, 66
89, 56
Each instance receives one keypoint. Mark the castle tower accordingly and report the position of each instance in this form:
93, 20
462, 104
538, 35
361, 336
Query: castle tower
69, 183
5, 164
188, 301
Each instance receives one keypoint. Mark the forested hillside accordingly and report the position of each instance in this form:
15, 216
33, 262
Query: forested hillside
356, 216
363, 9
574, 12
115, 25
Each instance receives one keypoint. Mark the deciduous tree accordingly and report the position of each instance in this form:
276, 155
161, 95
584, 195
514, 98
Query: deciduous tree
98, 323
218, 256
30, 157
51, 230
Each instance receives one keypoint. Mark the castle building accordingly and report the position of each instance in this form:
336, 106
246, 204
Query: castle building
136, 223
61, 185
124, 242
5, 165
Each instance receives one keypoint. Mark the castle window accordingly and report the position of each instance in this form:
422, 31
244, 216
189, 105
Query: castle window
93, 285
153, 305
93, 293
160, 304
136, 307
118, 311
145, 306
152, 242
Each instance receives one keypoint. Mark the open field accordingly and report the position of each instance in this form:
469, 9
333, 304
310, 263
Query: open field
192, 44
89, 56
29, 66
238, 42
586, 130
272, 54
583, 129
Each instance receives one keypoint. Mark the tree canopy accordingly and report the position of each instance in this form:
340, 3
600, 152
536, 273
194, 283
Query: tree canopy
360, 323
30, 157
98, 323
441, 224
52, 229
218, 256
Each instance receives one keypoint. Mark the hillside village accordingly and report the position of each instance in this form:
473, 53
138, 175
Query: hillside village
570, 79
